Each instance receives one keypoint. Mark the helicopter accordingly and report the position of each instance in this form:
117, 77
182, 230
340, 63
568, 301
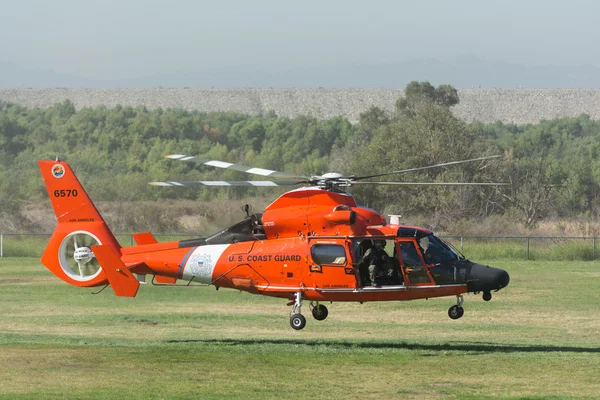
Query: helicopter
310, 244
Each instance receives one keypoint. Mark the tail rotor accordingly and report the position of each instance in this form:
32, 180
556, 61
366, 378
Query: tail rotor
76, 258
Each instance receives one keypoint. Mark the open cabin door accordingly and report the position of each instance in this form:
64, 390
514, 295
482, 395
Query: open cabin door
376, 262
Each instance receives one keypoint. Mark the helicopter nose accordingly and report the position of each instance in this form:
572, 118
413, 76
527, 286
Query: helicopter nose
482, 278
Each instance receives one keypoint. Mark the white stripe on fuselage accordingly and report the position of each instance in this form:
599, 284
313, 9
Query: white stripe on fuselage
201, 263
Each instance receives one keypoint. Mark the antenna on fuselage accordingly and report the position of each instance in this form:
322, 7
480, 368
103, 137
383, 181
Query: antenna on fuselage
247, 208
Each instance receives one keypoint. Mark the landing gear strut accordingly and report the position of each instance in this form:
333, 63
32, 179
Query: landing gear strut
297, 320
319, 311
456, 311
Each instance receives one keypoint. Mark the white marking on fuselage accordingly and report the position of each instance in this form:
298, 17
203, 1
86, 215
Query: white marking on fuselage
200, 266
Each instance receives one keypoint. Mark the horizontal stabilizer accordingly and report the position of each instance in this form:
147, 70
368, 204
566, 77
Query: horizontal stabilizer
119, 276
144, 238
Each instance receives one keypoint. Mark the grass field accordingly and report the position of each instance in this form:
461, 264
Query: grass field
539, 338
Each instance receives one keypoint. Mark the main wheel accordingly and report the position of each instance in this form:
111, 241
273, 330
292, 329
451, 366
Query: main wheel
487, 296
455, 312
320, 312
297, 321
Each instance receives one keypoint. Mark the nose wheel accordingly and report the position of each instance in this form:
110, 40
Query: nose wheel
297, 321
456, 311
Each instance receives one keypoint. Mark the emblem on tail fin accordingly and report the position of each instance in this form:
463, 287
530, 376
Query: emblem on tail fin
58, 171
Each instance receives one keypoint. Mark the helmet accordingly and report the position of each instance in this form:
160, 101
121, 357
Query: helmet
380, 243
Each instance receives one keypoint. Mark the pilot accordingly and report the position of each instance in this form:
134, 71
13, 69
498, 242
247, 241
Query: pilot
410, 255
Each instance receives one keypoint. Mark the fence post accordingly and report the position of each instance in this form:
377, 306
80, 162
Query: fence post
1, 245
527, 256
594, 249
461, 245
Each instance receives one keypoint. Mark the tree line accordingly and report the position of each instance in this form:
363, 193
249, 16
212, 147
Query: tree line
551, 169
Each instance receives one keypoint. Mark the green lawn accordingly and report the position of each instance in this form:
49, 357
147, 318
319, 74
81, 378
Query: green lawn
539, 338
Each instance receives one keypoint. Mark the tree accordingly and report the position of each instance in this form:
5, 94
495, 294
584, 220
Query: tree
430, 135
417, 93
370, 120
534, 172
532, 182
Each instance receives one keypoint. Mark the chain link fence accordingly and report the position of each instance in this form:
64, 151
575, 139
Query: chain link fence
33, 244
550, 248
553, 248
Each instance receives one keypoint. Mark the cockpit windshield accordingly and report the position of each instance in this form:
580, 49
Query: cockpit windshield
436, 250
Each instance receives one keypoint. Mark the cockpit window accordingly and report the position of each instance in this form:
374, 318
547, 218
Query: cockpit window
435, 250
412, 263
409, 255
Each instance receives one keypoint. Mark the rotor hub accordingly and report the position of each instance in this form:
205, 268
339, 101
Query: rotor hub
332, 175
83, 255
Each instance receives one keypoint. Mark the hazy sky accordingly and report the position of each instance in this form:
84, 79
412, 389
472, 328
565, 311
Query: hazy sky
114, 39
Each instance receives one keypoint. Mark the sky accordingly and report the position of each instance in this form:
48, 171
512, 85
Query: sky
116, 39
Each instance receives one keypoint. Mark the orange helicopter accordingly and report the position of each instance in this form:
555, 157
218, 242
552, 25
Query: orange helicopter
314, 243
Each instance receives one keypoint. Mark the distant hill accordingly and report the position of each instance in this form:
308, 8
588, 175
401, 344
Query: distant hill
518, 106
461, 72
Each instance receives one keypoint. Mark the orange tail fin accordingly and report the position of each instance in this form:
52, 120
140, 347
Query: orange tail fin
80, 226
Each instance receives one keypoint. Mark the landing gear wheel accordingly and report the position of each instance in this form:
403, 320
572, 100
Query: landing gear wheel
320, 312
487, 296
455, 312
297, 321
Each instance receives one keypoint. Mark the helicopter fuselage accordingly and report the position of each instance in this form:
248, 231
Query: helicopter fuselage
309, 244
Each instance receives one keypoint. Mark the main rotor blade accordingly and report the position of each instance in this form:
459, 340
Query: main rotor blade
435, 183
355, 178
229, 183
242, 168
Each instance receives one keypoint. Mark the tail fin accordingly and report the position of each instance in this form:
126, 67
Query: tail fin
80, 226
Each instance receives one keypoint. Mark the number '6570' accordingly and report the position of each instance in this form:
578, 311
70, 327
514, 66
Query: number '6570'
66, 193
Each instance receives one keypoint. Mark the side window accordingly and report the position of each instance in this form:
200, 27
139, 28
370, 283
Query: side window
409, 255
412, 263
328, 254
